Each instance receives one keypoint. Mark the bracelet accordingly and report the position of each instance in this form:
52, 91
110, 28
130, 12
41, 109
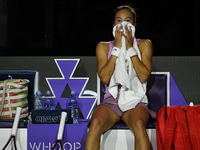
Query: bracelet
131, 52
115, 51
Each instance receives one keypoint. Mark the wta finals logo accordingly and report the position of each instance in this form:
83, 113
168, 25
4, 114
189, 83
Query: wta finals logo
42, 136
58, 85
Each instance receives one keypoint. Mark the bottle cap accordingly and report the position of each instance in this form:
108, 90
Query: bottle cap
72, 93
38, 93
10, 77
191, 104
48, 93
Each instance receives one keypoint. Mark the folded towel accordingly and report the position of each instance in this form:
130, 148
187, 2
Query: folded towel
132, 89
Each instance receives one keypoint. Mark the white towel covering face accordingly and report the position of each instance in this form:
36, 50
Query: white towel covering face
123, 25
132, 89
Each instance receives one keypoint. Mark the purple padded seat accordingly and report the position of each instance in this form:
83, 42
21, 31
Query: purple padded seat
157, 96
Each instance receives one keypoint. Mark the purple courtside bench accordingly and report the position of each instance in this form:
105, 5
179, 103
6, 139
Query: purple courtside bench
157, 93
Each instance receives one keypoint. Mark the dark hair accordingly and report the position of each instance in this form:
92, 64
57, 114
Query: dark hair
129, 8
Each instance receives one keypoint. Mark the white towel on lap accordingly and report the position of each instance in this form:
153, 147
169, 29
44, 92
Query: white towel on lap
132, 89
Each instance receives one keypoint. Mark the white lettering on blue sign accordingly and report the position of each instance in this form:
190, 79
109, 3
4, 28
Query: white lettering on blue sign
48, 146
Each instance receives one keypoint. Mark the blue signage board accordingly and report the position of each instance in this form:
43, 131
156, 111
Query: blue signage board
44, 136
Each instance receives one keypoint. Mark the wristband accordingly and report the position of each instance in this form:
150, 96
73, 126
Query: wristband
132, 52
115, 51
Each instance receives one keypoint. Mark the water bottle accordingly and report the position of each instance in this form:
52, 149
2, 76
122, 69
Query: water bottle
38, 100
73, 105
48, 101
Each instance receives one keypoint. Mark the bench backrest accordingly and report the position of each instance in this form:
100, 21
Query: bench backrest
157, 93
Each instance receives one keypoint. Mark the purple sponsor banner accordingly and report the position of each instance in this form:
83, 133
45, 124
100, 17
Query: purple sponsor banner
176, 97
77, 84
44, 136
